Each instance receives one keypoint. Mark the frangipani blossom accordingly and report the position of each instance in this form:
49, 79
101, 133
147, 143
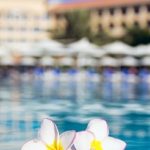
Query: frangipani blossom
49, 138
83, 140
96, 138
102, 139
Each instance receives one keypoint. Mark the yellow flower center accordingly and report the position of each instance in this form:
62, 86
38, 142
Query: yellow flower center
55, 146
96, 145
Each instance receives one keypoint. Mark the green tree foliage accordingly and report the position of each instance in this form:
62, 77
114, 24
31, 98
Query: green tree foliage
79, 27
101, 38
78, 24
136, 36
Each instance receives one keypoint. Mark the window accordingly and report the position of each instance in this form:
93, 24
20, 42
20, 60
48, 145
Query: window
123, 25
100, 12
136, 24
37, 17
148, 23
13, 15
58, 16
112, 11
100, 27
124, 10
148, 8
136, 9
23, 40
36, 29
111, 25
9, 16
46, 16
23, 16
10, 28
23, 29
9, 40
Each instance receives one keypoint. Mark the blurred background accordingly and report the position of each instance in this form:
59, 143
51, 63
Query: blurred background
73, 61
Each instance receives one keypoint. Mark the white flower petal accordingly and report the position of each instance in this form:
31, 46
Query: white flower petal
99, 127
114, 144
67, 139
34, 145
49, 133
83, 140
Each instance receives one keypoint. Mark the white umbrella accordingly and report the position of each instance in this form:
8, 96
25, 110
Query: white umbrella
83, 62
28, 61
81, 44
84, 48
6, 61
4, 52
52, 48
98, 52
28, 51
66, 61
147, 50
129, 61
118, 48
47, 61
140, 50
93, 52
109, 61
49, 44
60, 51
25, 49
145, 61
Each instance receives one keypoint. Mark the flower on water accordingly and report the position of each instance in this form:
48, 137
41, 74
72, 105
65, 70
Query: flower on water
49, 138
96, 138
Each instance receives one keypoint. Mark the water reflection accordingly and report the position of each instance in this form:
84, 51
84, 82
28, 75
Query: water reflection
123, 102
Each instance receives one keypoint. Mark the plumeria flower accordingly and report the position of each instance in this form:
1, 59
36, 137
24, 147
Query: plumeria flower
49, 138
83, 141
96, 138
102, 139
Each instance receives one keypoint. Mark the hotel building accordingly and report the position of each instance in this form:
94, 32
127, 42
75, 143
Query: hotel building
35, 20
112, 16
24, 21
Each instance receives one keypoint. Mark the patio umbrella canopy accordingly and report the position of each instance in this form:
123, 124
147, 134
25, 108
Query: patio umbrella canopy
66, 61
93, 52
145, 61
118, 48
140, 51
97, 52
60, 51
52, 48
49, 44
129, 61
109, 61
47, 61
86, 62
84, 48
28, 61
7, 61
28, 51
4, 52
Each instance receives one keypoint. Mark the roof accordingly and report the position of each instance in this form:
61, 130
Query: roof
66, 5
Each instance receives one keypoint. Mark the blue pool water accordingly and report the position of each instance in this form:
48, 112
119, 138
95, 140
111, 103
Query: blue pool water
71, 105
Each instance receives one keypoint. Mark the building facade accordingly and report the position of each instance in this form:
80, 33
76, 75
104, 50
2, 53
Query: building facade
112, 16
35, 20
24, 21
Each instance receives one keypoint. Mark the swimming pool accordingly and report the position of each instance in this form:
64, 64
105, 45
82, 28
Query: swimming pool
71, 105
